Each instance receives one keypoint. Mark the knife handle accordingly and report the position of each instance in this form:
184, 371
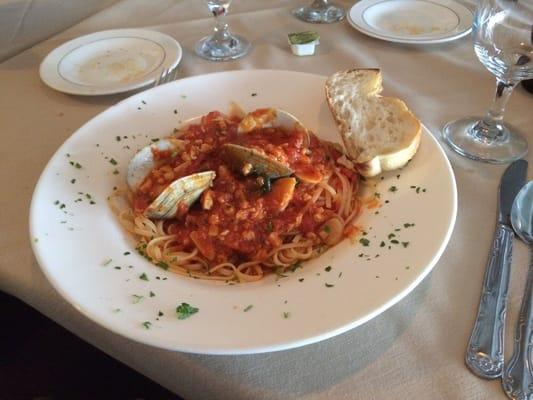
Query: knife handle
484, 355
518, 374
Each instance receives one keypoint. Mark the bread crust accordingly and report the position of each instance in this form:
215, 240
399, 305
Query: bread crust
371, 161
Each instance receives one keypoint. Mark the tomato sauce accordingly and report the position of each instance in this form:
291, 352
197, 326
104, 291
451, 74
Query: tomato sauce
236, 220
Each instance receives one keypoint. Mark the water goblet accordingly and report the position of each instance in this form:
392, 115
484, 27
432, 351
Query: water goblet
503, 42
319, 11
222, 45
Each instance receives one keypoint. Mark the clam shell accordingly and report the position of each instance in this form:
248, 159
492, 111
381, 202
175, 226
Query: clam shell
143, 162
248, 160
271, 117
183, 190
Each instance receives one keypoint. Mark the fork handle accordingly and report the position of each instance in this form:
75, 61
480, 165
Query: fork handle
517, 377
484, 355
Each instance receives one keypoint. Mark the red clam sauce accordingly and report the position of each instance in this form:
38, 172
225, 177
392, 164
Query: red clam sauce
240, 218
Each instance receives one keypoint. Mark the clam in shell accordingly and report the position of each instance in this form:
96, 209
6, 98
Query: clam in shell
184, 190
143, 162
271, 117
247, 161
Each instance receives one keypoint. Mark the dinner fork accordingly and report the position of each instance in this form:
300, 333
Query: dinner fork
167, 75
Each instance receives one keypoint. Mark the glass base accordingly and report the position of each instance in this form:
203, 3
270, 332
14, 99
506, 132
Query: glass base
461, 136
321, 15
230, 48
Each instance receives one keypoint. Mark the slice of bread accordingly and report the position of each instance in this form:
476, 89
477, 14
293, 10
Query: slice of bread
379, 133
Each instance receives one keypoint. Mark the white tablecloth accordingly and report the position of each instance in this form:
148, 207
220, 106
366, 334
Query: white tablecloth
413, 350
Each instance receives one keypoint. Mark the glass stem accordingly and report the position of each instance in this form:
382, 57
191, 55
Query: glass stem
222, 32
491, 126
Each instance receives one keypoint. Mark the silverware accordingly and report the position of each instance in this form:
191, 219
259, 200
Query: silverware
167, 75
517, 377
484, 355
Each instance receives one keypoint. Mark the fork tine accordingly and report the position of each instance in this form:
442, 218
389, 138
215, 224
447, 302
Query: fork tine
161, 79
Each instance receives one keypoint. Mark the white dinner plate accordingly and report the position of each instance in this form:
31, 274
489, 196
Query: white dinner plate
110, 62
92, 262
411, 21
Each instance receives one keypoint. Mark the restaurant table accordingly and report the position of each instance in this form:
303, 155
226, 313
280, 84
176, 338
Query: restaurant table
413, 350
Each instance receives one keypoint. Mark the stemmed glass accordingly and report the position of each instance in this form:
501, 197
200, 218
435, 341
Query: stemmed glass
319, 11
503, 42
222, 45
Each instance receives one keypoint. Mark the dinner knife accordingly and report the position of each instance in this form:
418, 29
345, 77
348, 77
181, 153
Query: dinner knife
484, 354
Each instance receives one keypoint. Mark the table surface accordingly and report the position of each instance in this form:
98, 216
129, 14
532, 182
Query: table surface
413, 350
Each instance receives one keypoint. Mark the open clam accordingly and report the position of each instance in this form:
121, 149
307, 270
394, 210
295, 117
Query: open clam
184, 191
271, 117
248, 161
144, 161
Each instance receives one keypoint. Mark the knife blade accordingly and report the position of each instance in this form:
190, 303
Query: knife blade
484, 355
512, 181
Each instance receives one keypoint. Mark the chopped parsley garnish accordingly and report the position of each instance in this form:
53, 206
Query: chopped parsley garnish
295, 266
185, 310
113, 161
364, 241
127, 253
301, 280
116, 310
248, 308
328, 268
152, 294
117, 267
408, 225
115, 172
117, 138
269, 226
147, 324
391, 235
286, 314
407, 267
394, 241
329, 285
162, 264
137, 298
144, 277
254, 94
279, 272
73, 181
405, 244
160, 313
75, 164
382, 244
393, 189
327, 229
107, 262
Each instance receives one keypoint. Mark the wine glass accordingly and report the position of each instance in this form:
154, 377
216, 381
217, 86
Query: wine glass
503, 42
319, 11
222, 45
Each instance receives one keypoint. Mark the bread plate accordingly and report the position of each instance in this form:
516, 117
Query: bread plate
109, 62
411, 21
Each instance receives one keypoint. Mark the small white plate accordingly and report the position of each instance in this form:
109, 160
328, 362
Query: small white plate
411, 21
110, 62
91, 261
